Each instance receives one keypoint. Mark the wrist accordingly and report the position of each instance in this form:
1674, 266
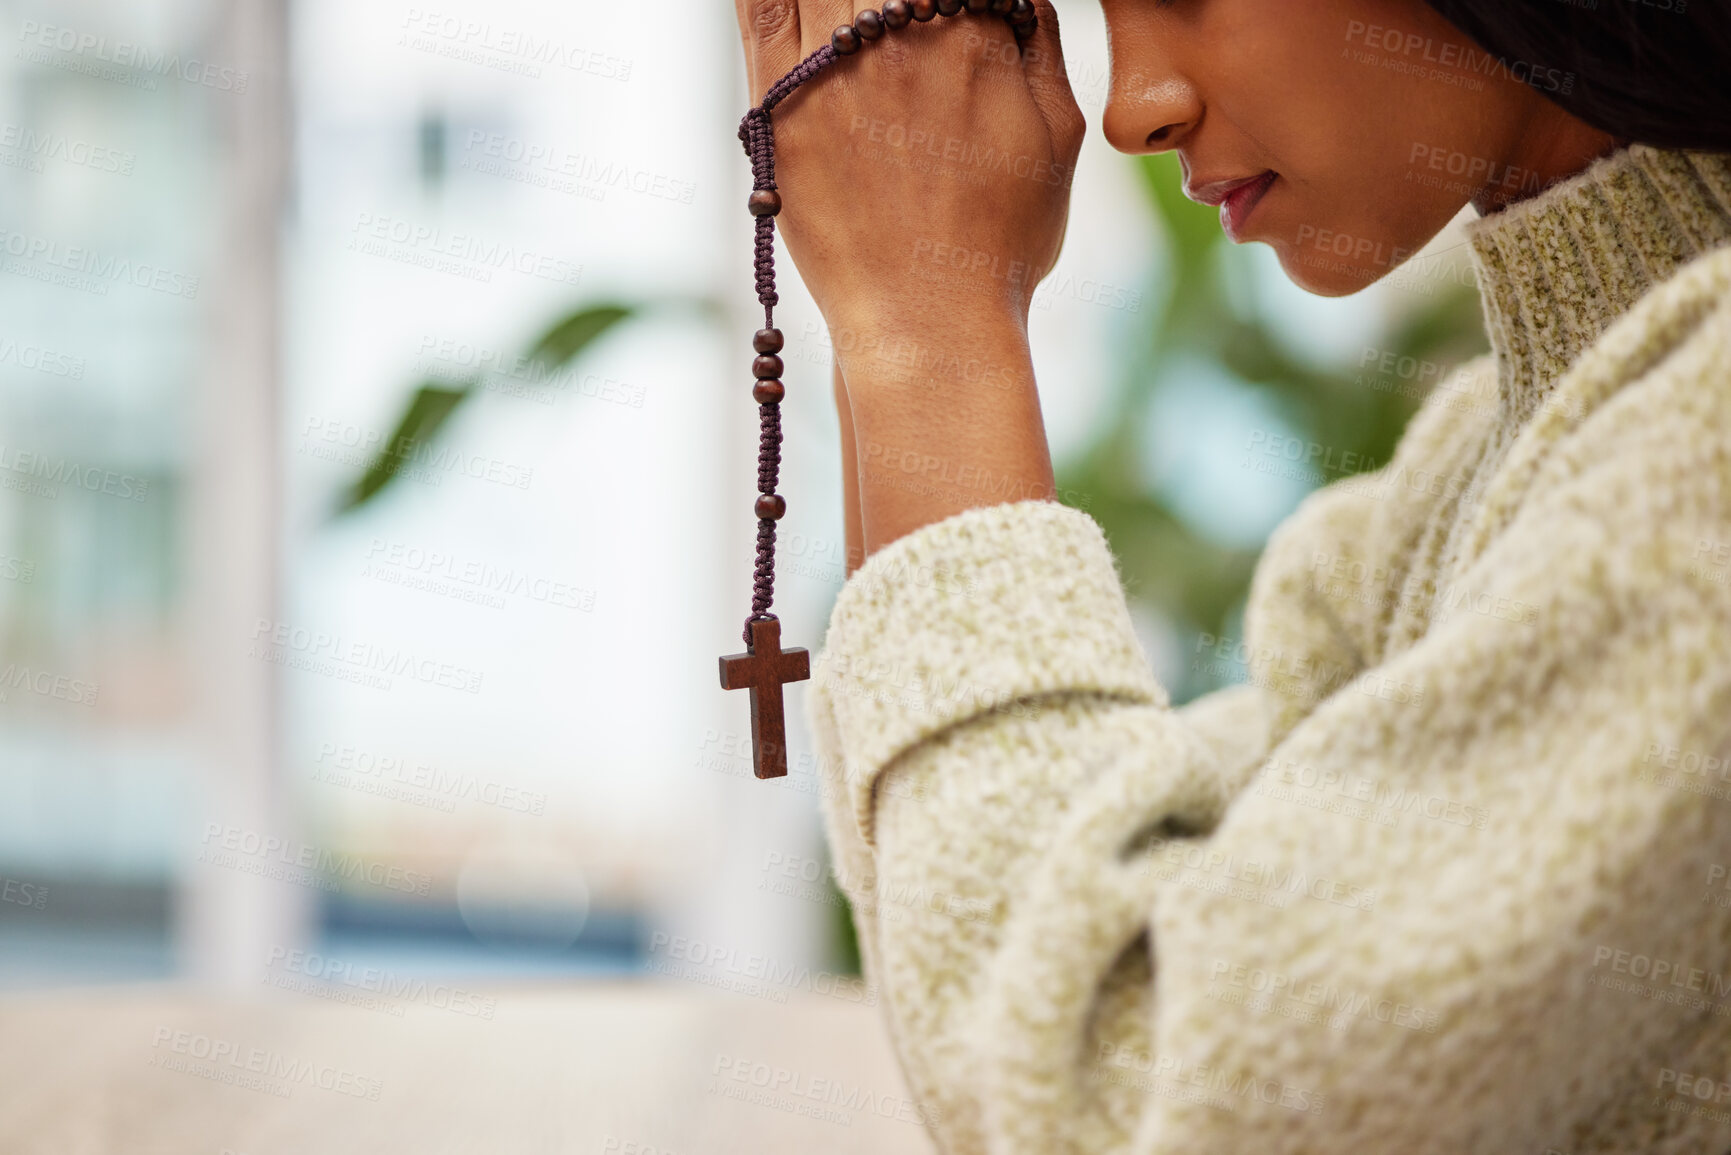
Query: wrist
945, 417
922, 351
926, 310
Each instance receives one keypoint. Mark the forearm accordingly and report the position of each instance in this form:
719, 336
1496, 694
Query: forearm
945, 417
850, 514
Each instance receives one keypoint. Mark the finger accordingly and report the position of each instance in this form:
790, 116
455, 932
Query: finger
770, 32
1049, 83
744, 21
818, 20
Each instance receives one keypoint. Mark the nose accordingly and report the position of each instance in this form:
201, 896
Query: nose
1152, 106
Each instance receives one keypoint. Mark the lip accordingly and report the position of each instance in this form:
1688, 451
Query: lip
1236, 199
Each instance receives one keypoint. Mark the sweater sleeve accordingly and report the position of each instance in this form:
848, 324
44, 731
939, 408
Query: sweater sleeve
1456, 905
980, 681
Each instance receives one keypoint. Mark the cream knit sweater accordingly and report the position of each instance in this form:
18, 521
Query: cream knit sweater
1450, 872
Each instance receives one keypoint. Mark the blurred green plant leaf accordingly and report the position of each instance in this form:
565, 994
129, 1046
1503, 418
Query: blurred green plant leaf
429, 408
431, 405
572, 334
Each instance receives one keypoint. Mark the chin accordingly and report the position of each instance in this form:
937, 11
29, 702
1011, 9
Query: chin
1326, 276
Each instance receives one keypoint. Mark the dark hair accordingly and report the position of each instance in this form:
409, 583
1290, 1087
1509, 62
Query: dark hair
1652, 71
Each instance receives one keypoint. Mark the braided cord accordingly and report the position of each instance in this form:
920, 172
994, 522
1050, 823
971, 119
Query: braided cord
757, 135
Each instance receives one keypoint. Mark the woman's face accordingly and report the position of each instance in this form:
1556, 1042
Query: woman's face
1344, 133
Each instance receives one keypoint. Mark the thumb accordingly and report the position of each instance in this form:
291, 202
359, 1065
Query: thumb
1049, 84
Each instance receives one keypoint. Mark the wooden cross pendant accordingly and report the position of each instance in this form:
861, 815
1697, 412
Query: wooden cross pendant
762, 669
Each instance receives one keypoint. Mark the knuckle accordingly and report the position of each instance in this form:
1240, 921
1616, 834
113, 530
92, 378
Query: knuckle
1047, 15
891, 53
773, 18
1075, 124
1074, 134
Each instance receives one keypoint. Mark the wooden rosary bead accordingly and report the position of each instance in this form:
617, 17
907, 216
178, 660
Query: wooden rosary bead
949, 7
766, 366
1000, 7
767, 341
765, 202
924, 10
978, 5
845, 40
1022, 15
869, 24
897, 13
771, 506
768, 392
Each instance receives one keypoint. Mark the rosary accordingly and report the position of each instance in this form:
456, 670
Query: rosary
765, 667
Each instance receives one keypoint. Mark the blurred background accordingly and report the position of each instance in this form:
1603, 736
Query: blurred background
376, 470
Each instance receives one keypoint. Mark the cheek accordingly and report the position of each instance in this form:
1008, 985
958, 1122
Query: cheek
1359, 208
1284, 73
1350, 136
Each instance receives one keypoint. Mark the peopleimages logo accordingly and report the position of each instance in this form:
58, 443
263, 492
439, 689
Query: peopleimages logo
375, 233
798, 1091
323, 652
1231, 1087
1457, 57
46, 476
99, 50
46, 684
40, 146
408, 561
337, 978
507, 49
222, 844
382, 774
101, 269
40, 359
716, 964
498, 152
226, 1060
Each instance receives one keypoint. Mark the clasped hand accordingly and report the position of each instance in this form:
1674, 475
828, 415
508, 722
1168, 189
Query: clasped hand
925, 176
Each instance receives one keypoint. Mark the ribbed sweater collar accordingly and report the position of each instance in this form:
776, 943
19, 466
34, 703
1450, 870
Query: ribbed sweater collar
1556, 269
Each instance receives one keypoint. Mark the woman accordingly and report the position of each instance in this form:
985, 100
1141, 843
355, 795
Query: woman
1449, 874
